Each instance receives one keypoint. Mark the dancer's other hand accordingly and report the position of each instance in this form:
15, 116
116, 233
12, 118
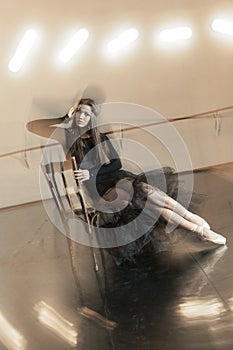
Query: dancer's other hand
81, 175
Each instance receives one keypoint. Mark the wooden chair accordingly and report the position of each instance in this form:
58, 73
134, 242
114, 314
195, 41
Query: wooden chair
70, 198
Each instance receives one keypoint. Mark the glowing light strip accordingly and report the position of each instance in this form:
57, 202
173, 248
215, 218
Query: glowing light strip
123, 40
175, 34
10, 337
54, 321
22, 50
78, 39
201, 308
222, 26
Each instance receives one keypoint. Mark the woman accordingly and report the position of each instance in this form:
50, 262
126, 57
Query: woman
102, 170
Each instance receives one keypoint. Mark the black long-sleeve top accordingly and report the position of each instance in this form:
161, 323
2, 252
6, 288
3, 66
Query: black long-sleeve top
90, 163
107, 175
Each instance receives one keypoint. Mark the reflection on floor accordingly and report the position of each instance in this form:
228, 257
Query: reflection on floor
51, 297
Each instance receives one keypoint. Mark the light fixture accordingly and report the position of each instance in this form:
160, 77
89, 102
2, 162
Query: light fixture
222, 26
175, 34
77, 40
123, 40
22, 50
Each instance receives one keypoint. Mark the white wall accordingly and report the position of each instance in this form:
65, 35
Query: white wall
19, 177
183, 79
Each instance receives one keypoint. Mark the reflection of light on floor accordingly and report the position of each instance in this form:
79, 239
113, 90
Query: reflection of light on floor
204, 309
230, 303
54, 321
222, 332
10, 337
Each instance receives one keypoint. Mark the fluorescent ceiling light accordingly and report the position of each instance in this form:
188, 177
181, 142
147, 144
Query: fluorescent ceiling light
123, 40
22, 50
77, 40
222, 26
175, 34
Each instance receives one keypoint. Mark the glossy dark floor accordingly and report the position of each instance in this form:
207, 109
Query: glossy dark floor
51, 297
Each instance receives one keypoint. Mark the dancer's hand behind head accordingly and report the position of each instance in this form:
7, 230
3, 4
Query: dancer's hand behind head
71, 112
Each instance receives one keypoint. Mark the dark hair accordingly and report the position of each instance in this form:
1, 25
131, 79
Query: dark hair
91, 103
76, 147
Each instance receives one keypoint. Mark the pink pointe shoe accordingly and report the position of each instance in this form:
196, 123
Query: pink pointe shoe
210, 236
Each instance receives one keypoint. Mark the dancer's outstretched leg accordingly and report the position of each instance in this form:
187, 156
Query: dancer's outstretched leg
160, 203
163, 200
203, 233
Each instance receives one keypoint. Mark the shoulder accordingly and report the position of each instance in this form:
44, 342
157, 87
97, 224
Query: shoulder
103, 137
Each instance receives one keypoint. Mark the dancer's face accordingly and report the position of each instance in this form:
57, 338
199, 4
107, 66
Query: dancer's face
83, 116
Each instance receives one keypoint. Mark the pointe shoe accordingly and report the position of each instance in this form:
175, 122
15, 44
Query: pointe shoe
205, 225
210, 236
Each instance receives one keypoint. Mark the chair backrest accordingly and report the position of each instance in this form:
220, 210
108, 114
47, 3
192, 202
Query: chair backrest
69, 197
52, 175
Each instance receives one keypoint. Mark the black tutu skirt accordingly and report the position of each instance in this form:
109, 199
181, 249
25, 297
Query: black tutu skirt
154, 236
